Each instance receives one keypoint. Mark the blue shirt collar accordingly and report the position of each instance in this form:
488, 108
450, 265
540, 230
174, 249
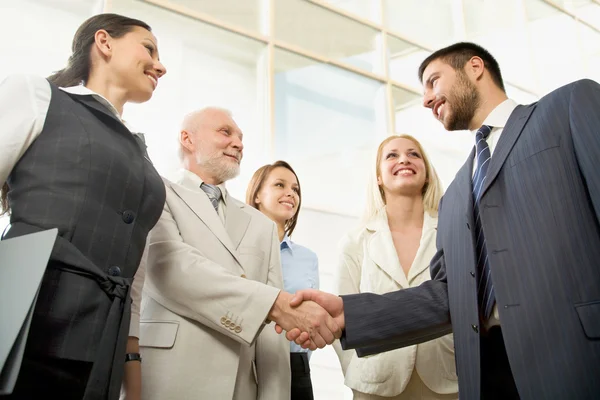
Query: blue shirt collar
286, 242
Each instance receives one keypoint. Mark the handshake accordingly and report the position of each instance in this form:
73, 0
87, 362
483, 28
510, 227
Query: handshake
311, 318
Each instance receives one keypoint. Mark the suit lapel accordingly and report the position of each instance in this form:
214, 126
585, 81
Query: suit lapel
101, 110
510, 134
90, 102
382, 251
464, 187
201, 206
427, 243
237, 221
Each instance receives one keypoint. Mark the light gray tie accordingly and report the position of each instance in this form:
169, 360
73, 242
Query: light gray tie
214, 194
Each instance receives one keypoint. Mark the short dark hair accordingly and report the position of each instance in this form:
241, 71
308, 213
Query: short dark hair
457, 56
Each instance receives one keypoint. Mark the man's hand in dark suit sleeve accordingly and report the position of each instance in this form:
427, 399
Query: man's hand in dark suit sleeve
309, 317
331, 303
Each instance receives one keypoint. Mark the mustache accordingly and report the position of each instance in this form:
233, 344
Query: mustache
236, 154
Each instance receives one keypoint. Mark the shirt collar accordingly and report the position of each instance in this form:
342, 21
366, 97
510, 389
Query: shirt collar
499, 115
286, 242
193, 181
81, 90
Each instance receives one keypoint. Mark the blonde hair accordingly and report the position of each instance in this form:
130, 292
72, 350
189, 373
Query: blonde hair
432, 190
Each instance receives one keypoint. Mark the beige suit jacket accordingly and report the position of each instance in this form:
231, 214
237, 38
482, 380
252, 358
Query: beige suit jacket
207, 290
369, 263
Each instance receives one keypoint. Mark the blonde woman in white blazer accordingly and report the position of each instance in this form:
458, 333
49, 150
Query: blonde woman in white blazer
390, 251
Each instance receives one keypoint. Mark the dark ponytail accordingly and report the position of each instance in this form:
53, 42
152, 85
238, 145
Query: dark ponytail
79, 65
4, 209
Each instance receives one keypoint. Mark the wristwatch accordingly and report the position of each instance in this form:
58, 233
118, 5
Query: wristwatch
133, 357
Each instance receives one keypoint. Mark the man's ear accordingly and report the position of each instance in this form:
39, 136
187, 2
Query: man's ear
186, 140
475, 67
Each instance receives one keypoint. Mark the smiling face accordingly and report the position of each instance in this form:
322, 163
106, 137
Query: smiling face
401, 168
214, 143
135, 65
452, 97
279, 196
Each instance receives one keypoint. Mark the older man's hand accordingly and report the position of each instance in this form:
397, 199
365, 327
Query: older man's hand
308, 317
332, 304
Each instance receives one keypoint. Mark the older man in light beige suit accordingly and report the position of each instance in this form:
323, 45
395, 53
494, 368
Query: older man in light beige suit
212, 280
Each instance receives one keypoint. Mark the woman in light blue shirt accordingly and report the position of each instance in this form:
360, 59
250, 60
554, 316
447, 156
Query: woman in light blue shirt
275, 191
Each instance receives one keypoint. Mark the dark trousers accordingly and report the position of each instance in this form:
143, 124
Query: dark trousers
497, 382
51, 378
301, 384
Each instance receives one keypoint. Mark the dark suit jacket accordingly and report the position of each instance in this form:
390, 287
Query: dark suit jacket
540, 214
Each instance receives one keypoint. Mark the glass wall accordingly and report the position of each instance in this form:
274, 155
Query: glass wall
318, 83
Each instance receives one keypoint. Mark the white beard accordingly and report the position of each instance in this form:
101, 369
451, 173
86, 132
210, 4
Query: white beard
220, 169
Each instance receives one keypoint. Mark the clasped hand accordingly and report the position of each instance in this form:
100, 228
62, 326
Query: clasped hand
314, 318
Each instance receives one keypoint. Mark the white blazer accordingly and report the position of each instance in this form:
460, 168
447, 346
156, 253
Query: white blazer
207, 292
369, 263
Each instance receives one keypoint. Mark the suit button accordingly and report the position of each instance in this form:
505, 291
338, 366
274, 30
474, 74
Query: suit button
128, 216
238, 329
243, 276
475, 328
223, 319
114, 271
472, 274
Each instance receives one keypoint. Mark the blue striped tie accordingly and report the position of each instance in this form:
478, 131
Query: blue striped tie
485, 287
214, 194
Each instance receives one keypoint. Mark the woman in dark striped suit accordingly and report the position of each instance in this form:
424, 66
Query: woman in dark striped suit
69, 161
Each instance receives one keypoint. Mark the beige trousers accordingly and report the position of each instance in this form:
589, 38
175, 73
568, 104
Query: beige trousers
415, 390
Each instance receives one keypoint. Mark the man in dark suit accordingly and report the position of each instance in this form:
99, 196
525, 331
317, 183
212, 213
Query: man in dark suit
517, 273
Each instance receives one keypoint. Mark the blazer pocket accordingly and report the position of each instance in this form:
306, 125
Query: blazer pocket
159, 334
526, 152
589, 316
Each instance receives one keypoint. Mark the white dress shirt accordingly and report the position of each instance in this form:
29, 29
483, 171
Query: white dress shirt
24, 101
497, 119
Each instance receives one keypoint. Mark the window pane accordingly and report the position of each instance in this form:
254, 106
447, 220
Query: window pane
429, 22
590, 45
506, 38
25, 24
520, 96
206, 66
586, 10
326, 123
328, 34
554, 46
368, 9
404, 59
404, 98
247, 14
